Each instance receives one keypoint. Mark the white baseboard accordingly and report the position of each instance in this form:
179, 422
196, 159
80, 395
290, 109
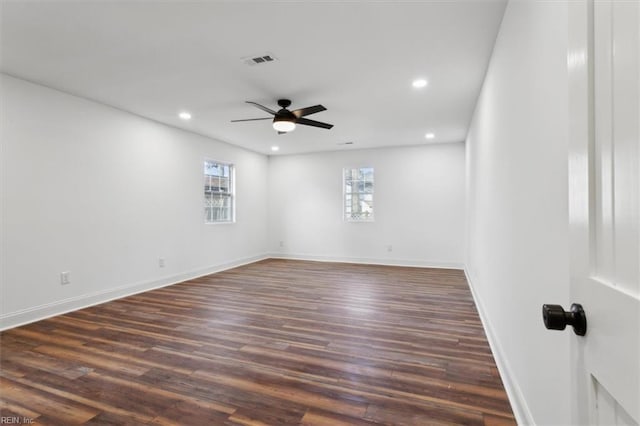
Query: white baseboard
37, 313
47, 310
369, 261
519, 405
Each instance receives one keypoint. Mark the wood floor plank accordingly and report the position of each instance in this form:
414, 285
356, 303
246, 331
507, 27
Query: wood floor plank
315, 417
275, 342
66, 411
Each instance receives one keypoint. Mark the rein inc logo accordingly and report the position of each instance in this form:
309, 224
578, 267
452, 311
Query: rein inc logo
8, 420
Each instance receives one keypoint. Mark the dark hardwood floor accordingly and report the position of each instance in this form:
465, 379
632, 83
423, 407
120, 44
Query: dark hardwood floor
276, 342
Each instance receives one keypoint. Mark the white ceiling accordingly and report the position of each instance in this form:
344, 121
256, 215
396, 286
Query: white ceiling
357, 58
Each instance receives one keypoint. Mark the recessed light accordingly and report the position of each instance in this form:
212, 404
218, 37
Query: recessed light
419, 83
429, 136
185, 115
275, 148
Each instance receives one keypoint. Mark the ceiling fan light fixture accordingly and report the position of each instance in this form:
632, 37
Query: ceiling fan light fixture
283, 124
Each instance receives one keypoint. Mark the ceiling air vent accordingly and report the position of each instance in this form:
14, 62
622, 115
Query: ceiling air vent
259, 59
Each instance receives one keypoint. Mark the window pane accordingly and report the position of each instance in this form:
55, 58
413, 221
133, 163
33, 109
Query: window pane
358, 193
348, 174
367, 174
223, 184
218, 192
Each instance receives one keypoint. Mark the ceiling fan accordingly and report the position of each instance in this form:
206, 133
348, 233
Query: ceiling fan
285, 121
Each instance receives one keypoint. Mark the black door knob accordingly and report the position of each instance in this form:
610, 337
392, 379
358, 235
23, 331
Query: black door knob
556, 318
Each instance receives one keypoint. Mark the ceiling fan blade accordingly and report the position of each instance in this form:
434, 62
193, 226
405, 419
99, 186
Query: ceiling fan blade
308, 110
313, 123
264, 108
253, 119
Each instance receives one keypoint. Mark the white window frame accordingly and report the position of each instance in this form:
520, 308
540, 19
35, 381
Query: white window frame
348, 194
230, 193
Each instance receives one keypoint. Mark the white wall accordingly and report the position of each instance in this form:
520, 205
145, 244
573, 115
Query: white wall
418, 206
517, 207
103, 194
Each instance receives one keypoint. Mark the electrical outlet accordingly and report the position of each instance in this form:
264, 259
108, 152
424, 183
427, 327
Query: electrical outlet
65, 278
281, 243
389, 248
161, 262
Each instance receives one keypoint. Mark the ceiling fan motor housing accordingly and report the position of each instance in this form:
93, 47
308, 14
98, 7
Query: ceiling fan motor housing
284, 115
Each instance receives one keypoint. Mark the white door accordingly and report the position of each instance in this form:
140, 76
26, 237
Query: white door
604, 193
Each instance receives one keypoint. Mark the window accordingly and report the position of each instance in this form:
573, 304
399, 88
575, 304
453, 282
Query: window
358, 194
218, 192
